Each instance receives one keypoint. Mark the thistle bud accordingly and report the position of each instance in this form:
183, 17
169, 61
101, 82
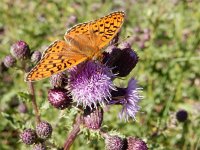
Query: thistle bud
28, 136
14, 102
146, 30
39, 146
146, 37
182, 115
20, 50
93, 117
9, 61
123, 61
141, 44
58, 80
71, 20
36, 56
114, 143
22, 108
136, 144
44, 130
59, 98
137, 29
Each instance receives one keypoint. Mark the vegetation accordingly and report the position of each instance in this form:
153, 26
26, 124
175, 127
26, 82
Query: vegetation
164, 33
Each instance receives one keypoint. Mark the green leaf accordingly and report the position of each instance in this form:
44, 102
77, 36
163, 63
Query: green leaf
24, 96
8, 117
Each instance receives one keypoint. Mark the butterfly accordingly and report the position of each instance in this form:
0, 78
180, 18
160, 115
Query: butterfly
83, 42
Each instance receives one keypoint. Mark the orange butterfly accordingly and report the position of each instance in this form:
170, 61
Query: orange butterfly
82, 42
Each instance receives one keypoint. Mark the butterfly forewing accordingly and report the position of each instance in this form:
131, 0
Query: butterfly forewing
105, 28
58, 57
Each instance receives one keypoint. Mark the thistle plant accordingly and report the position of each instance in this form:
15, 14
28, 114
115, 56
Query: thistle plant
88, 87
99, 101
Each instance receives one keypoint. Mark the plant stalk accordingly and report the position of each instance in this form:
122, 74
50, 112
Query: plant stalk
74, 133
33, 100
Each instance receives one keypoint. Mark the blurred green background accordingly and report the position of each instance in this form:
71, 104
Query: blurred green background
164, 33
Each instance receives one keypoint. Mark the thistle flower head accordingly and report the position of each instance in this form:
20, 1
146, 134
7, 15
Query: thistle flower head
90, 84
129, 98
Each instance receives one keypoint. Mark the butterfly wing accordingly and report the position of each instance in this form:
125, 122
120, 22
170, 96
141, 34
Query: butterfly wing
105, 28
58, 57
88, 38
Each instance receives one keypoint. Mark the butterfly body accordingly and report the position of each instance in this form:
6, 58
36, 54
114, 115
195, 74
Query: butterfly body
82, 42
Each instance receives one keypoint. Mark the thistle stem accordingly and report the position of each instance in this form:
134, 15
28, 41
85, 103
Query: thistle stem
33, 100
74, 133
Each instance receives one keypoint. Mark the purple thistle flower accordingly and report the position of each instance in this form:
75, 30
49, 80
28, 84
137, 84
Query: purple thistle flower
91, 84
129, 98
